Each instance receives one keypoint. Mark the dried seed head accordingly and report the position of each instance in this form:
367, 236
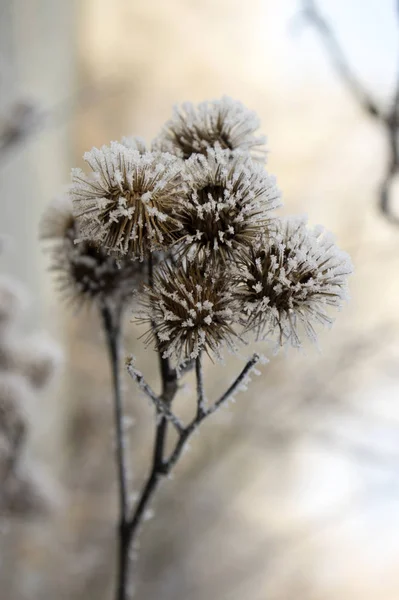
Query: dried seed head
290, 279
227, 205
224, 123
190, 310
84, 272
126, 205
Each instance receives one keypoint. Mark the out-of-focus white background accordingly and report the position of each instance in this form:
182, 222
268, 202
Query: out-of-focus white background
292, 492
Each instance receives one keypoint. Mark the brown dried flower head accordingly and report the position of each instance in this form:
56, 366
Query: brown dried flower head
85, 273
225, 124
227, 205
289, 280
126, 205
190, 310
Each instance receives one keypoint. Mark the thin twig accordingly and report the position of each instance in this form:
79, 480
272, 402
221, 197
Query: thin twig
193, 426
161, 407
112, 326
201, 407
237, 383
388, 120
339, 59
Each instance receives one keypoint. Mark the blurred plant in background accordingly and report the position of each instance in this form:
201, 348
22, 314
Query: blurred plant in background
27, 364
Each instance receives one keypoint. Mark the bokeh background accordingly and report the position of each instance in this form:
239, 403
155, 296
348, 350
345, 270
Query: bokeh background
293, 492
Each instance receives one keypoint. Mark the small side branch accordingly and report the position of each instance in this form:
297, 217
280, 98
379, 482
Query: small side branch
389, 120
237, 383
200, 416
338, 58
161, 407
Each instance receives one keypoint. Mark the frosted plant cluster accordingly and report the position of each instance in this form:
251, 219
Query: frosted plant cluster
202, 205
187, 235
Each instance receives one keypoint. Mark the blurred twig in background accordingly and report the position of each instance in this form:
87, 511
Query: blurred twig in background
388, 120
24, 118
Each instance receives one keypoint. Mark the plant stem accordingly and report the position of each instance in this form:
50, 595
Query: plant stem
200, 387
169, 389
130, 524
112, 326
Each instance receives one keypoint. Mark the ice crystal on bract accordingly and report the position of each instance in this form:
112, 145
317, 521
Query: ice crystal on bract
126, 205
225, 124
190, 310
135, 143
289, 280
226, 206
84, 272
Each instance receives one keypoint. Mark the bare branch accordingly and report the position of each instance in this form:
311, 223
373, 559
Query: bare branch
161, 406
339, 60
389, 121
193, 426
237, 383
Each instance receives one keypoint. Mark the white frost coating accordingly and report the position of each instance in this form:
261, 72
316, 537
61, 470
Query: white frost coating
224, 123
190, 311
290, 281
228, 202
126, 204
84, 272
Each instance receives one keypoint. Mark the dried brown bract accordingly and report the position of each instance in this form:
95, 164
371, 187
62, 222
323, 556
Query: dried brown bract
227, 206
84, 272
126, 206
225, 124
289, 280
190, 309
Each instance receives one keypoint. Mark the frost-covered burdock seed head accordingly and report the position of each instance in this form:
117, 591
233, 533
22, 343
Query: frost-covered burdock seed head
289, 280
225, 124
190, 310
126, 205
85, 273
227, 205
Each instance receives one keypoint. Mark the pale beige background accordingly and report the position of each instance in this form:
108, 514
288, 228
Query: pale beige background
292, 492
